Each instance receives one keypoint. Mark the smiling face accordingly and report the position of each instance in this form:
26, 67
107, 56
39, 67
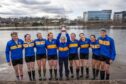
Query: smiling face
14, 36
73, 36
28, 37
63, 39
39, 36
50, 36
103, 33
82, 37
92, 38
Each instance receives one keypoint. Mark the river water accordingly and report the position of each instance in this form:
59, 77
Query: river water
119, 36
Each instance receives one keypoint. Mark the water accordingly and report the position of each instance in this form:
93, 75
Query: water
117, 34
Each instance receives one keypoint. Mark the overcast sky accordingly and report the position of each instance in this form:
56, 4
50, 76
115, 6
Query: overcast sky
51, 8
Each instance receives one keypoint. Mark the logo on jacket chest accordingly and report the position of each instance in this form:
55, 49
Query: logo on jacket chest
40, 42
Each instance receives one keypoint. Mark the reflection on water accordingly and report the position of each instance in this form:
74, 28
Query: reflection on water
117, 34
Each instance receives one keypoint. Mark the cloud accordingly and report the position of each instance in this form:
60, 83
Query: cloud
32, 2
31, 8
51, 8
9, 13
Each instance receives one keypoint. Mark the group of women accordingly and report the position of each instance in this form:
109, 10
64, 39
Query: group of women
64, 50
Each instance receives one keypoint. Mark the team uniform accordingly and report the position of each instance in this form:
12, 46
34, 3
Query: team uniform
107, 53
84, 54
95, 56
51, 46
95, 50
29, 51
51, 49
84, 48
73, 50
73, 55
30, 57
14, 50
40, 45
107, 49
63, 49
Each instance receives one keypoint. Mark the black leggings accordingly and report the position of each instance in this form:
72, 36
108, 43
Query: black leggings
65, 62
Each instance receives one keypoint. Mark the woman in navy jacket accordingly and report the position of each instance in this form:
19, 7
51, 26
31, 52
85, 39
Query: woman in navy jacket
63, 48
40, 45
107, 53
95, 46
29, 56
73, 57
14, 54
84, 54
51, 45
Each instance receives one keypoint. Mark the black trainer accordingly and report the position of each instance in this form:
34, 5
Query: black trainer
40, 78
81, 76
56, 78
60, 78
87, 76
72, 76
67, 77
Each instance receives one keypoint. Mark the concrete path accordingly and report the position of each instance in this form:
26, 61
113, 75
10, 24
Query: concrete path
118, 76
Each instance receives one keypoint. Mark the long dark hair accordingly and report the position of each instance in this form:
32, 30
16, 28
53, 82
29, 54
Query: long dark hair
26, 36
81, 33
93, 36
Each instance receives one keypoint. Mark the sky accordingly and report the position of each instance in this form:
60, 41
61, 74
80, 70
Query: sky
52, 8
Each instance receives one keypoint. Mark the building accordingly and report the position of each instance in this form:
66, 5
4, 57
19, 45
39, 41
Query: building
103, 15
120, 16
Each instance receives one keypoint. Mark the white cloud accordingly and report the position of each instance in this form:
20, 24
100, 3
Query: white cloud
71, 8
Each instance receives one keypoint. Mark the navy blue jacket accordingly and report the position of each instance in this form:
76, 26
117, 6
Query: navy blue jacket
84, 46
95, 47
40, 45
51, 47
13, 50
107, 47
73, 47
63, 48
29, 48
